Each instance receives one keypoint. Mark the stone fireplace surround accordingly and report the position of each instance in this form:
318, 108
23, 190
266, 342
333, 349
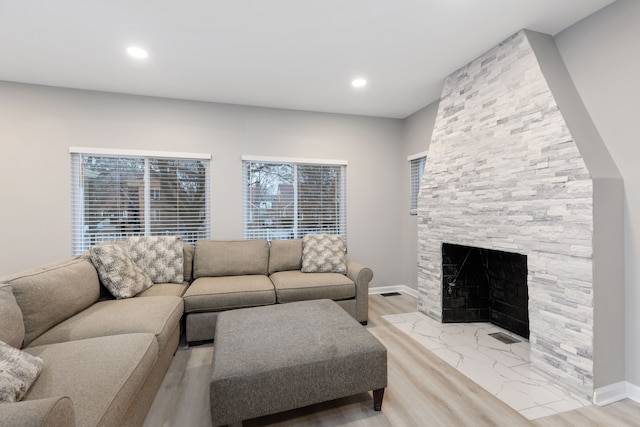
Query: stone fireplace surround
515, 164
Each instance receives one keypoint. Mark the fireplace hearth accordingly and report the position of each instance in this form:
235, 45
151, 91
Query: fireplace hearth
483, 285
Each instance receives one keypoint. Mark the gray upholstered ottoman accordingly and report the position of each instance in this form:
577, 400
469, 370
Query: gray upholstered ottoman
286, 356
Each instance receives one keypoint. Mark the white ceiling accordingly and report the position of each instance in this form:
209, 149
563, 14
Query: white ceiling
294, 54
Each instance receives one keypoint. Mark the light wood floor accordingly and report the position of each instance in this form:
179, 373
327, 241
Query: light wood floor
422, 390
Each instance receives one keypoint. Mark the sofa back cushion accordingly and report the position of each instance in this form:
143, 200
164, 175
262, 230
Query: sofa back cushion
52, 293
285, 255
11, 326
214, 258
187, 253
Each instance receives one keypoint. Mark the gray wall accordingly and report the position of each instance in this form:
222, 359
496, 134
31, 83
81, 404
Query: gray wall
38, 124
415, 139
601, 54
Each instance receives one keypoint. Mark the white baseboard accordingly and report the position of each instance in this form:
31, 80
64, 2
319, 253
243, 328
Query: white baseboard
633, 392
615, 392
397, 288
610, 393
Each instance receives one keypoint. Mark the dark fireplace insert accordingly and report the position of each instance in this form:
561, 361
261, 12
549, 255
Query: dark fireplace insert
484, 285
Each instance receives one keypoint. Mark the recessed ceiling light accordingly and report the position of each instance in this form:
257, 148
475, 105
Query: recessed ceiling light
359, 82
137, 52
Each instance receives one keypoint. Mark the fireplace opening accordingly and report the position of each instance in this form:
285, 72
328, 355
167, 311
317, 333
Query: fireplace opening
484, 285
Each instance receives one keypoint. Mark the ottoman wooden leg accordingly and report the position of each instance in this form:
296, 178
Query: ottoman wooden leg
377, 399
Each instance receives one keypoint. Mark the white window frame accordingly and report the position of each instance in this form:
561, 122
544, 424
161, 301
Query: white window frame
416, 170
78, 238
295, 161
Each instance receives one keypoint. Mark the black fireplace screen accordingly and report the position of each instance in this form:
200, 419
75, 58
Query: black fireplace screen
484, 285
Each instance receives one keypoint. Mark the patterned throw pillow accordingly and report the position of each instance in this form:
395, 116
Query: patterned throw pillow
117, 271
323, 253
161, 257
18, 371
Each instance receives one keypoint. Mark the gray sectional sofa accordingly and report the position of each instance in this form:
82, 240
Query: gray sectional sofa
105, 358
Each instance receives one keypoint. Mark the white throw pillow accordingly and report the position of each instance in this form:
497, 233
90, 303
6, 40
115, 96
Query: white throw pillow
18, 371
323, 253
117, 271
160, 257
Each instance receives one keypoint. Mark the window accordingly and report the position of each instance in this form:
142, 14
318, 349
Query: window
417, 162
286, 199
117, 194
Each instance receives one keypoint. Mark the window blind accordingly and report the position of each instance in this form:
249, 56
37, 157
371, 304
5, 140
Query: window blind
417, 164
286, 200
114, 197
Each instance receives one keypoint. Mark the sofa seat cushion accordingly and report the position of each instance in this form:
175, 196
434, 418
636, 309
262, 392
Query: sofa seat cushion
295, 285
101, 375
224, 293
158, 315
160, 289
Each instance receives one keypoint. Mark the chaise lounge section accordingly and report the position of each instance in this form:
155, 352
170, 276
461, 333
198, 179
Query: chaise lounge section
103, 359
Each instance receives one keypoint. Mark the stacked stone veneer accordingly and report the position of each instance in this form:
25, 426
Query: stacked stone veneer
503, 172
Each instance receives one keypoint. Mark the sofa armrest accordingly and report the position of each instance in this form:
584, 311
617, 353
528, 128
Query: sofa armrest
49, 412
361, 276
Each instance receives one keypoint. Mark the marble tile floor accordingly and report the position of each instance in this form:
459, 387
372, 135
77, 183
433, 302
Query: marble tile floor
501, 369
